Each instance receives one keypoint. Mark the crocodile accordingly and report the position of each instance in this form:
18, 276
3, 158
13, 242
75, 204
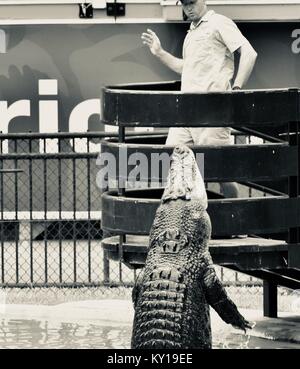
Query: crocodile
178, 283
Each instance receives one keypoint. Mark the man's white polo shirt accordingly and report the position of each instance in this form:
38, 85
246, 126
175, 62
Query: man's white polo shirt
208, 61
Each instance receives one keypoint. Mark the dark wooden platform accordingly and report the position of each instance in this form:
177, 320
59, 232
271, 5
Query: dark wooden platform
246, 253
221, 163
269, 114
130, 106
257, 215
266, 259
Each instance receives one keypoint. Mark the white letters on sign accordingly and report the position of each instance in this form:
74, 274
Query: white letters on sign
48, 117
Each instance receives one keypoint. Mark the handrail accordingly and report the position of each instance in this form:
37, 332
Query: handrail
164, 105
62, 135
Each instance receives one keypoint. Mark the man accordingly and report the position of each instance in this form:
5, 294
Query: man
207, 65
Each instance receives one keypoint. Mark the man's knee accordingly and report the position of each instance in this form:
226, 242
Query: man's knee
229, 189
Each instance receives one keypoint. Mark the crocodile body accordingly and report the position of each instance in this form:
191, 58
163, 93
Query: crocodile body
178, 283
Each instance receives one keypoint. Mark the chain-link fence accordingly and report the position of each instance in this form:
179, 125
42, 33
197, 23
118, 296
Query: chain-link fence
50, 223
50, 213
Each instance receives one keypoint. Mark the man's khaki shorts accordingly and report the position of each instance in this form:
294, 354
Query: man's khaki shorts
199, 136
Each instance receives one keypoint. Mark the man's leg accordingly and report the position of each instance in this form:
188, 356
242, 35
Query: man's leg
179, 136
229, 189
217, 137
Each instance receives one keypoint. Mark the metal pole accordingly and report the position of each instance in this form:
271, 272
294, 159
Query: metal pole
121, 192
270, 299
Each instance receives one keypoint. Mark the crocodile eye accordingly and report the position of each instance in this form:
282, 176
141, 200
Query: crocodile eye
184, 241
163, 236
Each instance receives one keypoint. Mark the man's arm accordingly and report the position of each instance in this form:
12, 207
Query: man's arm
231, 36
152, 41
247, 60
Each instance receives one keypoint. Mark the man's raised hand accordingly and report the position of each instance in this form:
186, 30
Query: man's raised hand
152, 41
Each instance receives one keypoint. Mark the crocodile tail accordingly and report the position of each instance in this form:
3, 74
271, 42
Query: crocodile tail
160, 312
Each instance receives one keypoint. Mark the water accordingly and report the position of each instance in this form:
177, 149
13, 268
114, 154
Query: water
244, 341
47, 334
35, 334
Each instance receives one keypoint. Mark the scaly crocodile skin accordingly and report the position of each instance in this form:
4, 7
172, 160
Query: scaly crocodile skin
178, 283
